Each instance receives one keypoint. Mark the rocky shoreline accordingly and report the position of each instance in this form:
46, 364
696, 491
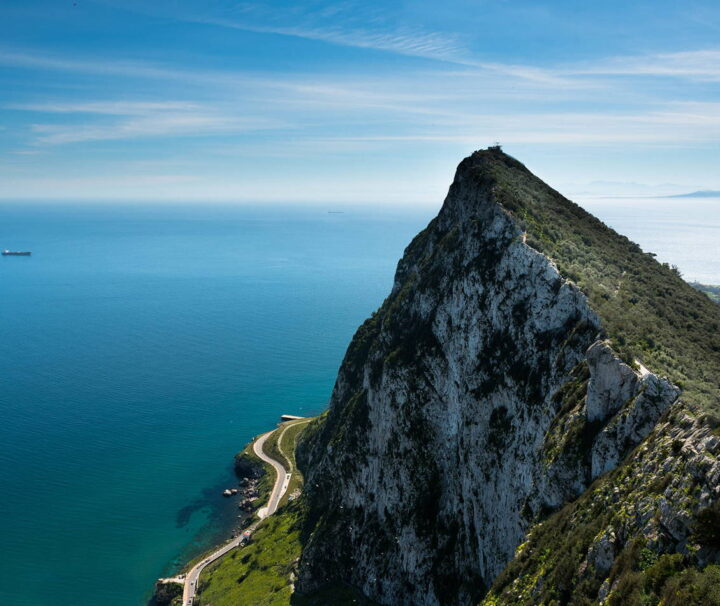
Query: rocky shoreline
249, 471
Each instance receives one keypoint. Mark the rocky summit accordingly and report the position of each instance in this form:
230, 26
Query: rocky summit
531, 417
516, 424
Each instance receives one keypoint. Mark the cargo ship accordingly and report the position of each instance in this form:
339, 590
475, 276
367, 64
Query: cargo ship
16, 253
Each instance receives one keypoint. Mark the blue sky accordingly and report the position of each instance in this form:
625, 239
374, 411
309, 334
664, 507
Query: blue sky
353, 101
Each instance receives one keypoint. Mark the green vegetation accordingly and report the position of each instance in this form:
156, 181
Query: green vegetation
288, 446
639, 577
668, 581
262, 573
167, 594
570, 431
647, 309
247, 459
284, 451
281, 445
710, 290
553, 566
271, 446
553, 553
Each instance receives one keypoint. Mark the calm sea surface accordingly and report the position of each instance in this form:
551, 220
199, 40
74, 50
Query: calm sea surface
682, 231
142, 346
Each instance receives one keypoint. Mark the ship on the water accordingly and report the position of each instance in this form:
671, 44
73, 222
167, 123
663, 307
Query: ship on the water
16, 253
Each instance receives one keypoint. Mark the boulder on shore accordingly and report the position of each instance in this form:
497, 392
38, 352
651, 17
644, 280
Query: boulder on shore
168, 592
247, 467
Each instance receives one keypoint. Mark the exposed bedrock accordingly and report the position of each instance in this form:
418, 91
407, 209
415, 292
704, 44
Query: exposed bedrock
479, 397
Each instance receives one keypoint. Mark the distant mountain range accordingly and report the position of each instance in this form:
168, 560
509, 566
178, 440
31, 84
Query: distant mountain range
705, 193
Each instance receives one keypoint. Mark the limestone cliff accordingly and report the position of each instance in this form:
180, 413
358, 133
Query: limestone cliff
492, 387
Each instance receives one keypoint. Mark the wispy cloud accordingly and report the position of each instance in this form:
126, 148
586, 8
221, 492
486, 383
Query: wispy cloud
355, 25
701, 65
404, 41
671, 125
410, 91
141, 119
115, 108
350, 24
48, 61
310, 111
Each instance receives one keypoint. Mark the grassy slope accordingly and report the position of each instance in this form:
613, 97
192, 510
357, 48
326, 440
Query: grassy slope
547, 568
646, 308
652, 315
260, 574
287, 450
285, 453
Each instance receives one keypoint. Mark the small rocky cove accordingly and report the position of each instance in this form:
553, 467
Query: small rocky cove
248, 492
249, 472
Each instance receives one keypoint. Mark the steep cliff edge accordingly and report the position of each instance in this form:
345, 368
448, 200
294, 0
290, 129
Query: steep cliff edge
519, 358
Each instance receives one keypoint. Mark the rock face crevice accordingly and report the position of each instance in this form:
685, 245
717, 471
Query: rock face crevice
628, 402
478, 398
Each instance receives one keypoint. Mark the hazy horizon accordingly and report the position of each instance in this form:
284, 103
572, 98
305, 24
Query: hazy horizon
353, 102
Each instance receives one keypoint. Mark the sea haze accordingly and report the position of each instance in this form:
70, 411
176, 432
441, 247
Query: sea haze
682, 231
142, 346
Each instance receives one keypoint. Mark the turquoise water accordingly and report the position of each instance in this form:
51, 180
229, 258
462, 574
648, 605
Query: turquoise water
140, 348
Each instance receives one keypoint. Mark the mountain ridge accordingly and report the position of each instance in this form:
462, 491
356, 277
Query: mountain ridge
401, 383
529, 418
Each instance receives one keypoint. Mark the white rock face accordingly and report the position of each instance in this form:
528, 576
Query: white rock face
433, 461
602, 552
650, 397
612, 382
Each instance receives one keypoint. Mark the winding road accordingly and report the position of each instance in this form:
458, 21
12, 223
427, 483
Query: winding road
282, 477
282, 481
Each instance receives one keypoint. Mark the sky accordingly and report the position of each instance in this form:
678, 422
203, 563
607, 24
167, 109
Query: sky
353, 102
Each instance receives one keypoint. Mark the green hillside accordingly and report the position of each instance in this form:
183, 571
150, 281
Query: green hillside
647, 309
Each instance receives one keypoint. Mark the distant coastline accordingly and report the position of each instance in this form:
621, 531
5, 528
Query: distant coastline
711, 290
705, 193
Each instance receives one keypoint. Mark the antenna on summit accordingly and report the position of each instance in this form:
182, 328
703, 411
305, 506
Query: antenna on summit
496, 147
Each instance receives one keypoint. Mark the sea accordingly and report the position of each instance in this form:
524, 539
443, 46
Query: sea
143, 345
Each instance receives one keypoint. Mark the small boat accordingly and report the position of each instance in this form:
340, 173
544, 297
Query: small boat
16, 253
